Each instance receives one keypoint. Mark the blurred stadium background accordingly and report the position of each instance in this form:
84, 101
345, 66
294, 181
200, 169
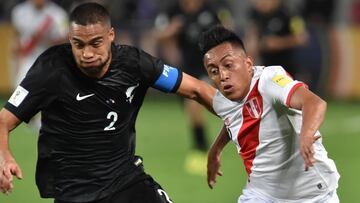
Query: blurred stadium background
162, 132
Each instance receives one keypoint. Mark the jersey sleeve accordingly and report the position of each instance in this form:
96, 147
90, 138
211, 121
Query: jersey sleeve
159, 75
35, 91
277, 84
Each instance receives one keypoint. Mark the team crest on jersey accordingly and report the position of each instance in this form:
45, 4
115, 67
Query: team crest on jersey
130, 93
253, 108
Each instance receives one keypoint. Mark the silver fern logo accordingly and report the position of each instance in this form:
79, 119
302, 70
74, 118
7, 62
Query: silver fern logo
130, 93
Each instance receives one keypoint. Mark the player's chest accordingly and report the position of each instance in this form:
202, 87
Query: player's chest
96, 97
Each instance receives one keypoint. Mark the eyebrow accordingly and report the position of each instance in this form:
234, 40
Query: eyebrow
224, 57
92, 40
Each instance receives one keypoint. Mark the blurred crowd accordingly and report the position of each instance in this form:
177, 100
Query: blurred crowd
304, 36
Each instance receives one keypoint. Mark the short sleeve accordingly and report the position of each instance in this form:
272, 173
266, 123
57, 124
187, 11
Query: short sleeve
34, 93
277, 84
159, 75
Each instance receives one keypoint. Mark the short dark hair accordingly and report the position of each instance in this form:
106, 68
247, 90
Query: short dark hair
90, 13
216, 35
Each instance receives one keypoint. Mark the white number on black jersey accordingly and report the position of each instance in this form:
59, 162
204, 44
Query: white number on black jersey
112, 115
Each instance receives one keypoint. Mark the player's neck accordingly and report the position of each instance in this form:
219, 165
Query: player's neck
105, 69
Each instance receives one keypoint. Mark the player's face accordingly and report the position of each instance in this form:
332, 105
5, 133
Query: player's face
230, 70
39, 3
91, 47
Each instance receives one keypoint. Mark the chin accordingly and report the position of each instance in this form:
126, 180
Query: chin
93, 70
232, 97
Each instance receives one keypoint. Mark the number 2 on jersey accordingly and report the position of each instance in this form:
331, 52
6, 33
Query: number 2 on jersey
112, 115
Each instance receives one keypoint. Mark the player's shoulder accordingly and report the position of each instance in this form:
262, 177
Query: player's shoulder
55, 57
127, 54
55, 9
51, 65
122, 50
59, 52
21, 8
269, 74
271, 71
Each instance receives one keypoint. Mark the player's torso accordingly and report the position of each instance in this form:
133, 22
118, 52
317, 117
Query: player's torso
274, 24
258, 127
103, 107
88, 128
30, 21
193, 23
266, 135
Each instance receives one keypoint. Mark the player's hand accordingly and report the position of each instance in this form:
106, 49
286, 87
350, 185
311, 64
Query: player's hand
213, 168
8, 169
307, 149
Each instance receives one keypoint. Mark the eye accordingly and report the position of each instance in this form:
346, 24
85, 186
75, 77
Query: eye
228, 65
214, 71
78, 45
96, 43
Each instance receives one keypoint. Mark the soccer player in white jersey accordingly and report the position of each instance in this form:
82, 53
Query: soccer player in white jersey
273, 121
39, 24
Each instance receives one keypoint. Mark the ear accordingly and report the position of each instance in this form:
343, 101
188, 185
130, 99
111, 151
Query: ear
112, 34
249, 63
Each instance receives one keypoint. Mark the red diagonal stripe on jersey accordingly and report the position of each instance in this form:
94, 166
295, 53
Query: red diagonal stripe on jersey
38, 35
248, 136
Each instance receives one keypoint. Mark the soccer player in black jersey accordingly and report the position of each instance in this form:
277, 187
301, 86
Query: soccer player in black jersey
89, 93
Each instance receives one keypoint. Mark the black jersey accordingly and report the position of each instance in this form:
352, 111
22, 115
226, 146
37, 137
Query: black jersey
193, 25
275, 24
87, 138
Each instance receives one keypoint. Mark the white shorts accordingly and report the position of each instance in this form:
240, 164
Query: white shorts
250, 196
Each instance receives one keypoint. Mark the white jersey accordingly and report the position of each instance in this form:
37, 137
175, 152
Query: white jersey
266, 133
49, 22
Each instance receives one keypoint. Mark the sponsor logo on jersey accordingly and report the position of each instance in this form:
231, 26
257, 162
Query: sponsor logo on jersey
130, 93
79, 98
18, 96
282, 80
253, 107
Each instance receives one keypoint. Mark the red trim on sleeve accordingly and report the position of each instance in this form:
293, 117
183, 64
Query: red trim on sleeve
293, 90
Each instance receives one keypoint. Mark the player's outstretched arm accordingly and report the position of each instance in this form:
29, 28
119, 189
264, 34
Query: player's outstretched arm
313, 112
8, 165
198, 90
214, 157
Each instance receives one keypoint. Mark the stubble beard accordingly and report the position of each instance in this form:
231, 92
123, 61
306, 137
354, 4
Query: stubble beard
95, 71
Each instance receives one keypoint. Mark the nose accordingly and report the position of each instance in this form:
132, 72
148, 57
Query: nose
88, 52
224, 74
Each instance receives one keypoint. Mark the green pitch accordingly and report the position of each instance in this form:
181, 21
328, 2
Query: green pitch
163, 139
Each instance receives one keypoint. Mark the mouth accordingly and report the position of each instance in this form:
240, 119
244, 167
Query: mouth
89, 62
227, 88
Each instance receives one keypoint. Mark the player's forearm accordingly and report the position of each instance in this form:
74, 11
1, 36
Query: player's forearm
204, 95
4, 140
4, 148
313, 115
197, 90
8, 122
221, 141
